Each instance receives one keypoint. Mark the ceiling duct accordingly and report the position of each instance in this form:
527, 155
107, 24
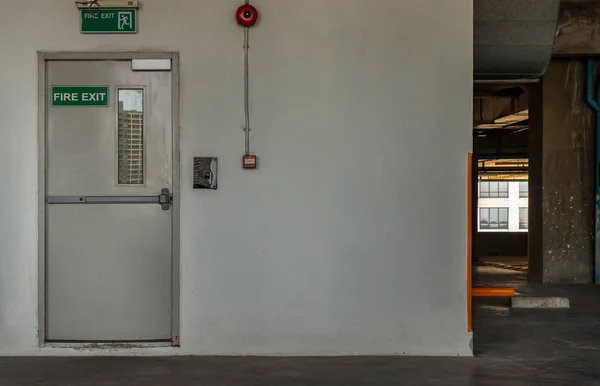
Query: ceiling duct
513, 39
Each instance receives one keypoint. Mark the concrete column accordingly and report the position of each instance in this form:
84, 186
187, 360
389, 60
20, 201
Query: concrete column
562, 177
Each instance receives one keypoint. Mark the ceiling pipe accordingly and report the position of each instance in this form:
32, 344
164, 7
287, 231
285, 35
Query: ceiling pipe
513, 40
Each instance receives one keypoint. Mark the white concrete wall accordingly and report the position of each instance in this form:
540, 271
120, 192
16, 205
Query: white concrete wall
349, 239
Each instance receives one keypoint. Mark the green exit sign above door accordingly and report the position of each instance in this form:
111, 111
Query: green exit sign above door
109, 21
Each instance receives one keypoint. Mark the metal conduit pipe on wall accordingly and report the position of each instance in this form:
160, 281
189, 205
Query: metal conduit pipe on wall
593, 102
513, 39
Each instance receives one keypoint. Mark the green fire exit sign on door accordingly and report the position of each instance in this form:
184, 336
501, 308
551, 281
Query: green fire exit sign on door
109, 21
79, 96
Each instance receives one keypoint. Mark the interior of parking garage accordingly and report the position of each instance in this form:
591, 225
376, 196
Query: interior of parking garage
534, 140
534, 153
535, 179
501, 177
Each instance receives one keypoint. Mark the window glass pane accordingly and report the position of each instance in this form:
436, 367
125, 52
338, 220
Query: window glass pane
503, 189
484, 189
484, 218
503, 218
130, 137
493, 189
523, 189
494, 218
523, 218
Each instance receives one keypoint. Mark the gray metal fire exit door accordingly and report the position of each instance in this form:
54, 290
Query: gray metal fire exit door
109, 219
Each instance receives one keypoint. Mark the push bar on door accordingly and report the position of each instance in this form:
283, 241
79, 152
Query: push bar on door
164, 199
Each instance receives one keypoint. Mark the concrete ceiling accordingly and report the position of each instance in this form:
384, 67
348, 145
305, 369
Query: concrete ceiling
500, 107
578, 28
512, 37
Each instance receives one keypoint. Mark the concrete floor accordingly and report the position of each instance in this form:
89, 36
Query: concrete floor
522, 347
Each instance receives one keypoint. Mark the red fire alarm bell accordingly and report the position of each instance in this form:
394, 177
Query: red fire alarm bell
246, 15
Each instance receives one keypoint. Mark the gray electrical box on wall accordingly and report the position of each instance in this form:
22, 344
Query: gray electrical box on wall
205, 173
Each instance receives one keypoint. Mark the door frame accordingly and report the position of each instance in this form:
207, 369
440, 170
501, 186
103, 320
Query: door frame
43, 58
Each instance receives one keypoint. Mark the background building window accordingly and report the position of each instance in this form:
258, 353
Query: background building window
130, 135
523, 218
493, 218
493, 189
523, 189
